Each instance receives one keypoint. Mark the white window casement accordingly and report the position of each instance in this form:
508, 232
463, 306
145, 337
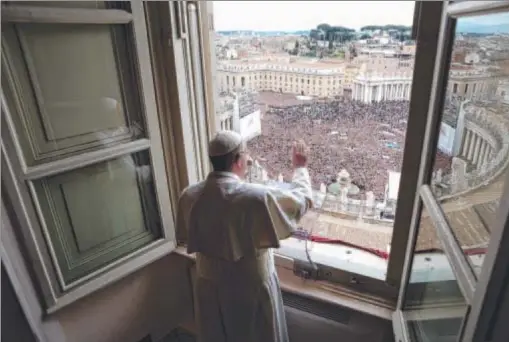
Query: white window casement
83, 158
465, 297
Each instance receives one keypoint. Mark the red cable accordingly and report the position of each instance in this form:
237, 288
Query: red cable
377, 252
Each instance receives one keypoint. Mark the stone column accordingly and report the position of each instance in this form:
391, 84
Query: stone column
471, 146
487, 154
482, 154
477, 149
344, 199
370, 203
459, 169
265, 176
464, 149
323, 188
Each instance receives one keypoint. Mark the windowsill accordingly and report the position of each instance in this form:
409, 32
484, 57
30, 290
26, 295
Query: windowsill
341, 257
321, 290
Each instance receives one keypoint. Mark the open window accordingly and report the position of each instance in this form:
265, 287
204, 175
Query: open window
83, 164
363, 109
449, 292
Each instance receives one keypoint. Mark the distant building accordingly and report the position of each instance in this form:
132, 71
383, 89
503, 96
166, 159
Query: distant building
300, 76
239, 111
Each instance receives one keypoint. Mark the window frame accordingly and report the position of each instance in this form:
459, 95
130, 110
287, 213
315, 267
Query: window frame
17, 177
480, 293
385, 289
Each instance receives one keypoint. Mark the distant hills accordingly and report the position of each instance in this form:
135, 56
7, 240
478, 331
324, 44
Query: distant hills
462, 26
264, 33
466, 27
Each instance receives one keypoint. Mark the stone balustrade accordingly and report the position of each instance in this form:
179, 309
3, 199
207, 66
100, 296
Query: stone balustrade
339, 204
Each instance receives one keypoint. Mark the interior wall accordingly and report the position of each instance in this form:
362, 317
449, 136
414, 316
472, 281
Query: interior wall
152, 301
14, 323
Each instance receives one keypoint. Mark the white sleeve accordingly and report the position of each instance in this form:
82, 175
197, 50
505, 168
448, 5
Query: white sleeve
294, 202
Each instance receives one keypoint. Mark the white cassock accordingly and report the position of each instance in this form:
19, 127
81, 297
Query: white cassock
232, 227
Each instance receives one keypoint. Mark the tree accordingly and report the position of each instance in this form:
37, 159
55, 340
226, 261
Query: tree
365, 36
331, 45
296, 45
323, 27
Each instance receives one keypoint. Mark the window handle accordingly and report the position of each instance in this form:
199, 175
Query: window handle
181, 19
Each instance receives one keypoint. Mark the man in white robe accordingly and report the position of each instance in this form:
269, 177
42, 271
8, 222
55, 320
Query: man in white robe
232, 227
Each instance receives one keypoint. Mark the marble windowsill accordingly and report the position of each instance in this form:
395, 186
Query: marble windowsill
320, 290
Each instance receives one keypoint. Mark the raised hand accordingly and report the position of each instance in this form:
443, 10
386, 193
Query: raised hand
300, 153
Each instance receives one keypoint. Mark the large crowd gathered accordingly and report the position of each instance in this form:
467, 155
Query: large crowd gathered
367, 140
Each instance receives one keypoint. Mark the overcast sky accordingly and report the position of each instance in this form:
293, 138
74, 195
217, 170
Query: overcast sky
305, 15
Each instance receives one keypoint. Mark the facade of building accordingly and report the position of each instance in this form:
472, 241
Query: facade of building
309, 78
240, 112
472, 83
382, 86
382, 78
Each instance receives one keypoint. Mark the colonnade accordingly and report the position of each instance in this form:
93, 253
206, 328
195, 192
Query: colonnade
476, 149
381, 91
226, 124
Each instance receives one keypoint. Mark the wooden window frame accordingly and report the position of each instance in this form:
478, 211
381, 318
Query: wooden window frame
480, 293
17, 177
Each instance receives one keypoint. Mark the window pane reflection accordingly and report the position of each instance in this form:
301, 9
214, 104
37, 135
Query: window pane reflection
66, 88
473, 144
434, 305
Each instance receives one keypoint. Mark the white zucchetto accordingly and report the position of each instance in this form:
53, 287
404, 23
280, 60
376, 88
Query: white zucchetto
224, 142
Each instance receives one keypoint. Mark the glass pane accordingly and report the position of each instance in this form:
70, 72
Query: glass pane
345, 90
99, 213
65, 88
434, 305
473, 144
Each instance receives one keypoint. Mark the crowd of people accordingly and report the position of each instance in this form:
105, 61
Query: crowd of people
365, 139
